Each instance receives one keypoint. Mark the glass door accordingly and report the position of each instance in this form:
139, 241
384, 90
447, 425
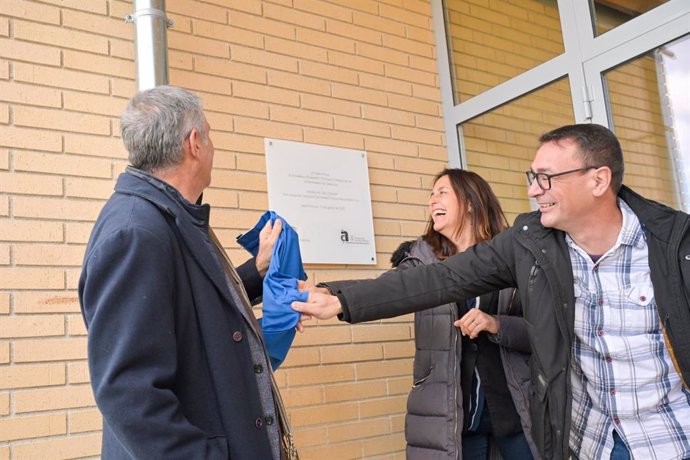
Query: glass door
639, 83
510, 70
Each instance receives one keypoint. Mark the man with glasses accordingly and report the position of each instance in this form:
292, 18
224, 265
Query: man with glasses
604, 278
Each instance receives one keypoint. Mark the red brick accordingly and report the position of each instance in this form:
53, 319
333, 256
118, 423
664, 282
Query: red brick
78, 372
93, 63
296, 49
70, 447
94, 6
194, 9
32, 427
60, 78
35, 184
46, 302
31, 326
61, 120
4, 404
29, 10
28, 376
263, 58
97, 24
266, 26
26, 351
23, 51
27, 138
375, 22
60, 37
29, 94
84, 421
60, 209
293, 16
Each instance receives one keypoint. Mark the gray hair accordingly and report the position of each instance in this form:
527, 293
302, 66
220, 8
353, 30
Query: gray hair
156, 123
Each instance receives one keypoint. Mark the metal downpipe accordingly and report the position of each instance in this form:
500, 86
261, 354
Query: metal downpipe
150, 43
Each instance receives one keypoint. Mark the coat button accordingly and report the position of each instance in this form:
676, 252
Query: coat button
258, 423
269, 420
258, 368
237, 336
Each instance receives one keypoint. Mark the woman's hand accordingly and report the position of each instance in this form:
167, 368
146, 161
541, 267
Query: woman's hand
476, 321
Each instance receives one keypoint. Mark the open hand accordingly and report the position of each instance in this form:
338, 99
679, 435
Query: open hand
267, 240
320, 304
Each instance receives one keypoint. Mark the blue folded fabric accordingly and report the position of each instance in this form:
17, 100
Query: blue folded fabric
280, 287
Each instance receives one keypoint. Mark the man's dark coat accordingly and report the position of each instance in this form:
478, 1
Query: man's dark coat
170, 365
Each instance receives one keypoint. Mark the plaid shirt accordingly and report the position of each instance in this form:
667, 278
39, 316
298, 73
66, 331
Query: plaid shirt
622, 375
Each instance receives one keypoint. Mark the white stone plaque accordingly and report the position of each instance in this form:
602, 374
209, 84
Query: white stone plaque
323, 193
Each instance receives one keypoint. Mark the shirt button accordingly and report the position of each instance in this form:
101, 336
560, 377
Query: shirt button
643, 298
616, 420
269, 420
600, 301
237, 336
258, 368
596, 268
600, 333
258, 423
613, 392
609, 359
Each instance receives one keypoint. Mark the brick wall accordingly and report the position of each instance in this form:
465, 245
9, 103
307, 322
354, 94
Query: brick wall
359, 74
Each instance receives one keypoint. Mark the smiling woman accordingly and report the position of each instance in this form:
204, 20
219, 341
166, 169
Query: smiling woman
470, 388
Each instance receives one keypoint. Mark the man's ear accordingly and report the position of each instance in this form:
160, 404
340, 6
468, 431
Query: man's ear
602, 180
194, 142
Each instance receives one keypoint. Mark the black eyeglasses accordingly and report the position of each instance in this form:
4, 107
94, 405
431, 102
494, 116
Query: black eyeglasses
544, 180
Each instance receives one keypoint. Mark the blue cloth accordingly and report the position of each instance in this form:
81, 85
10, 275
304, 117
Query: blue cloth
280, 287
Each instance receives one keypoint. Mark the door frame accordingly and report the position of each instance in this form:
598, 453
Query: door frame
583, 61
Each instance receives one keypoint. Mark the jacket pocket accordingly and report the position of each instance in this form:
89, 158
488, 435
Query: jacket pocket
539, 413
217, 447
424, 378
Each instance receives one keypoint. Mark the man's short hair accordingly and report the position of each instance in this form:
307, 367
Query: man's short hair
597, 146
156, 123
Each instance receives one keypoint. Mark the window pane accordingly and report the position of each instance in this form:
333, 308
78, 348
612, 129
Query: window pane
650, 106
609, 14
500, 145
491, 42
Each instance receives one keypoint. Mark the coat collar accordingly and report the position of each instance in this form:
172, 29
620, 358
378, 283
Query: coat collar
190, 220
656, 218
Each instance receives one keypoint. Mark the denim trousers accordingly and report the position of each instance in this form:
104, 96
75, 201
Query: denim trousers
619, 452
475, 444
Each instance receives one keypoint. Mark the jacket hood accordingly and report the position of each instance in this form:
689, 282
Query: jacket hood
423, 251
659, 219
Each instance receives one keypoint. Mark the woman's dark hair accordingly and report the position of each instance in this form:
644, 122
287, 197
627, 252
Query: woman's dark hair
486, 216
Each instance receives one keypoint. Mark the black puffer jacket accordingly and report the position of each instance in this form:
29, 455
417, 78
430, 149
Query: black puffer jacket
535, 259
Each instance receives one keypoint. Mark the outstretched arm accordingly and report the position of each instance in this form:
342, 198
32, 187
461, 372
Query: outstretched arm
320, 304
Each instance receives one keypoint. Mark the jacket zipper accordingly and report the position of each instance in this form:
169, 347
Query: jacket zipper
458, 451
